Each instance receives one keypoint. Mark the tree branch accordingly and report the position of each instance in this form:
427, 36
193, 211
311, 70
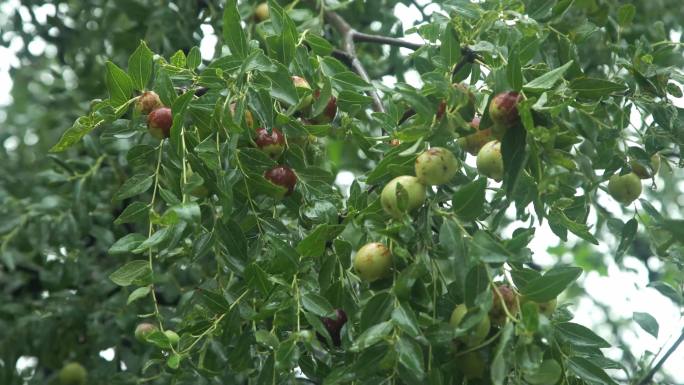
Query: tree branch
347, 33
364, 37
649, 376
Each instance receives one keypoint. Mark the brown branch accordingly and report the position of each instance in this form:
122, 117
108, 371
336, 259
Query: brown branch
649, 376
364, 37
347, 33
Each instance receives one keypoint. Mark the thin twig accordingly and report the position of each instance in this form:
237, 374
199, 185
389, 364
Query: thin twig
649, 376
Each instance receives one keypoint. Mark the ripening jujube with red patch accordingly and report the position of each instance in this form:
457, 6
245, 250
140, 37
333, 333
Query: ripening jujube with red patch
271, 143
329, 112
159, 122
503, 111
504, 295
282, 176
334, 326
143, 330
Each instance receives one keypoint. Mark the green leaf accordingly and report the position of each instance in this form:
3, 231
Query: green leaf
592, 88
589, 372
468, 201
126, 244
128, 273
194, 58
629, 231
450, 49
174, 360
349, 81
78, 130
500, 368
178, 59
513, 70
551, 284
579, 335
233, 34
477, 281
319, 45
138, 293
347, 100
377, 309
119, 85
137, 184
154, 240
547, 80
558, 217
133, 213
215, 302
548, 373
410, 356
668, 291
514, 156
626, 14
140, 66
316, 304
282, 87
647, 322
406, 320
372, 336
314, 243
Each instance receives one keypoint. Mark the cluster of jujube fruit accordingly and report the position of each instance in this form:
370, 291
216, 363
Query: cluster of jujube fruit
271, 141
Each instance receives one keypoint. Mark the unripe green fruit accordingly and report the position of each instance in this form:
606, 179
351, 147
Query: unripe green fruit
373, 261
172, 336
262, 12
304, 91
148, 102
478, 334
415, 195
624, 188
143, 330
503, 111
490, 161
472, 365
644, 173
305, 335
72, 374
547, 308
436, 166
473, 143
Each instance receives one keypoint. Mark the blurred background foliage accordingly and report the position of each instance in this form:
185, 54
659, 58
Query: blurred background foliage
56, 302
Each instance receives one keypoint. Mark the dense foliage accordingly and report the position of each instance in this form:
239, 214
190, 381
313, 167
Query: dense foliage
211, 244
